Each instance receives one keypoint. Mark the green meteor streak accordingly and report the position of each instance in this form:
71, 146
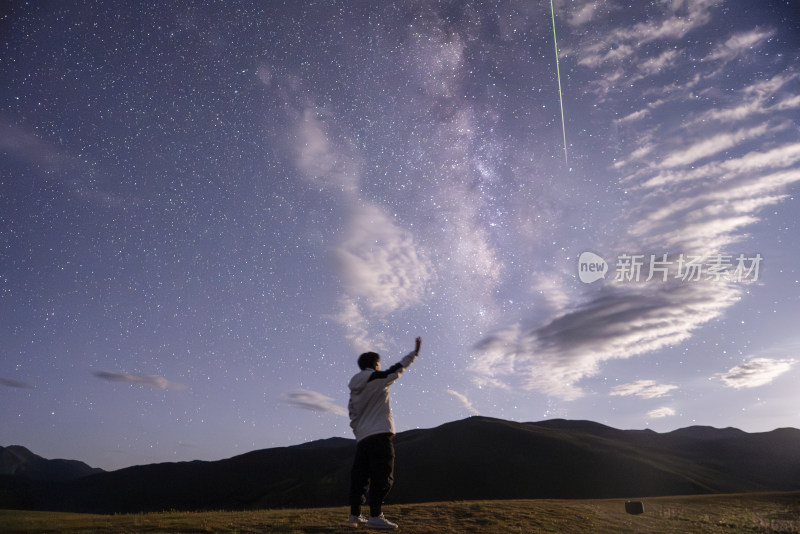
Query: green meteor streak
558, 74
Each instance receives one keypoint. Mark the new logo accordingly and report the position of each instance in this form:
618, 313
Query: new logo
591, 267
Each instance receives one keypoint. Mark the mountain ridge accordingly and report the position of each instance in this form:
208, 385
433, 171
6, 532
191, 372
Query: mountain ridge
16, 460
474, 458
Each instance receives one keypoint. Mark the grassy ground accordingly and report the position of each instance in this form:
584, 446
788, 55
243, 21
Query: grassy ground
752, 513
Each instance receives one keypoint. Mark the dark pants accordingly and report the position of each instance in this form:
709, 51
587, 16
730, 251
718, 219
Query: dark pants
373, 467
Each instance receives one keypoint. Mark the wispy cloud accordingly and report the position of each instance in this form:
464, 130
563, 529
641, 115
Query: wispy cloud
654, 65
152, 381
676, 24
738, 44
725, 170
74, 171
755, 372
704, 148
714, 218
710, 205
633, 117
323, 161
465, 402
616, 324
382, 267
380, 262
660, 412
361, 334
758, 99
583, 14
625, 42
553, 291
646, 389
14, 383
314, 401
24, 145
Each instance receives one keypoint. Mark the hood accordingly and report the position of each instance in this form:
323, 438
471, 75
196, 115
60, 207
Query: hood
359, 381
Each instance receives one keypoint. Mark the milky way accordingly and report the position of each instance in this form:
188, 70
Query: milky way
208, 210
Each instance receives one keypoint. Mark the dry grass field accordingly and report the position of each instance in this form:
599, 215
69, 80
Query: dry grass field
751, 513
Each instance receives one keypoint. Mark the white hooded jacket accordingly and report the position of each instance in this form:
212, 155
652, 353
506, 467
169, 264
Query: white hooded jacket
369, 406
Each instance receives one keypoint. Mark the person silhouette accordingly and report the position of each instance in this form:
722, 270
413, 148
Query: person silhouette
372, 475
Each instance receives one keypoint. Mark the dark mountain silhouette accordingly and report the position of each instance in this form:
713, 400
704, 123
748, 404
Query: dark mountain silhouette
19, 461
21, 471
475, 458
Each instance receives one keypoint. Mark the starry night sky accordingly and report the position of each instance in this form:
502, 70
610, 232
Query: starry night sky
209, 209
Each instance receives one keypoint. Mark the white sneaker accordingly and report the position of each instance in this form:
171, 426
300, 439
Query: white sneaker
381, 522
356, 520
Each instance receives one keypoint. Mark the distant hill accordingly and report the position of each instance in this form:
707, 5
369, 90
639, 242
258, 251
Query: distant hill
18, 461
22, 472
475, 458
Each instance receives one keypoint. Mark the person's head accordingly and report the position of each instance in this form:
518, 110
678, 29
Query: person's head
369, 360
